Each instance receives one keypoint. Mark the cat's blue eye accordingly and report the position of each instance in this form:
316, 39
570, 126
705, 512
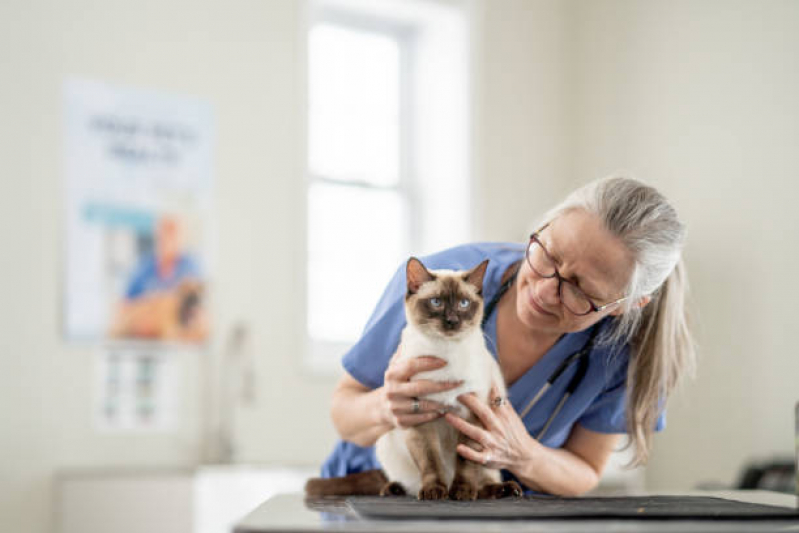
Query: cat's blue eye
465, 303
435, 302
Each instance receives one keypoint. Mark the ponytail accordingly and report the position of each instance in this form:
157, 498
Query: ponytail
662, 351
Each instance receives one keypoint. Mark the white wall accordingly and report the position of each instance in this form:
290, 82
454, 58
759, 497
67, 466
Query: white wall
245, 58
697, 97
700, 99
522, 135
242, 57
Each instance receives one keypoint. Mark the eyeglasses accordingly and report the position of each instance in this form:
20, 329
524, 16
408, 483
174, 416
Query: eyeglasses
571, 296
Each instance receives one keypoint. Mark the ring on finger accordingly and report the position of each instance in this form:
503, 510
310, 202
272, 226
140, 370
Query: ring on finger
499, 401
415, 406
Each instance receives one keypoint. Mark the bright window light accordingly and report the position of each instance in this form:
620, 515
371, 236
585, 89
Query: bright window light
354, 105
357, 231
356, 243
388, 161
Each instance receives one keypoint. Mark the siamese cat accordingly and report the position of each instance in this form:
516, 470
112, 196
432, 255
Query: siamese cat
444, 310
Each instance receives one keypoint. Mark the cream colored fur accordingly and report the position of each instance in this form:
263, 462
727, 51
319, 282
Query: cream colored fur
469, 360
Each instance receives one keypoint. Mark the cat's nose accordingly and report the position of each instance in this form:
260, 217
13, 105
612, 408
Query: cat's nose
452, 321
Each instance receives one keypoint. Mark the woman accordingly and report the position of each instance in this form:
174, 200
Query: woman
602, 278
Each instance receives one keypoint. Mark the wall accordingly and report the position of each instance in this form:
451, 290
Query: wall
522, 136
244, 57
699, 98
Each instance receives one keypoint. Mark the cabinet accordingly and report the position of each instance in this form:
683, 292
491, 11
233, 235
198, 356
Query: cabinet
207, 499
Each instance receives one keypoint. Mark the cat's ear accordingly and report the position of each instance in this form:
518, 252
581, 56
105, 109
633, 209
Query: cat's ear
416, 274
475, 276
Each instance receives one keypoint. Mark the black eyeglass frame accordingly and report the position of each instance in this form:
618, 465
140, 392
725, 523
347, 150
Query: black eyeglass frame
561, 280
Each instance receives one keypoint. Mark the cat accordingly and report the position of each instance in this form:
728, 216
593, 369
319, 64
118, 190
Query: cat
444, 310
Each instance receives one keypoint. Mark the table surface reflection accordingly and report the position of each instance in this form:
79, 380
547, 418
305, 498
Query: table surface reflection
294, 513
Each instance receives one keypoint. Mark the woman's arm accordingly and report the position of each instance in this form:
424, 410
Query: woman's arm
505, 443
357, 413
569, 471
361, 415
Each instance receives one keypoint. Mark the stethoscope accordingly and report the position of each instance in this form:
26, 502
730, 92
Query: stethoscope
580, 357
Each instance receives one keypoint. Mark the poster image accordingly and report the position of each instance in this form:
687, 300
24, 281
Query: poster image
138, 201
161, 297
136, 389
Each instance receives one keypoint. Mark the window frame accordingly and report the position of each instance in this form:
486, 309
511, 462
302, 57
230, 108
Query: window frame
437, 135
321, 354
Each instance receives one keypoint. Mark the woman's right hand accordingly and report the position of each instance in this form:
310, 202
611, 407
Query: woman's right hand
399, 394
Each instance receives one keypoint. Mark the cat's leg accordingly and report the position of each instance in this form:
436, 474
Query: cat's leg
464, 484
467, 473
473, 480
425, 448
493, 488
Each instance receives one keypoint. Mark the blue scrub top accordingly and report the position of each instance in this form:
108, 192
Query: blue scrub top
145, 278
597, 404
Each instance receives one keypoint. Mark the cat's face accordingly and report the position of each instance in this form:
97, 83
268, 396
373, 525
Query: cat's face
444, 303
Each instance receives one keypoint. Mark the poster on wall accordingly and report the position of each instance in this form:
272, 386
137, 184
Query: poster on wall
136, 389
138, 178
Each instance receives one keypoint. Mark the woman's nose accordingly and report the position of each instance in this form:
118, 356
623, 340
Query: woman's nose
548, 291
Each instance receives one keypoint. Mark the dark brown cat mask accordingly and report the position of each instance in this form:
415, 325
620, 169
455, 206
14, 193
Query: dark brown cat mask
444, 302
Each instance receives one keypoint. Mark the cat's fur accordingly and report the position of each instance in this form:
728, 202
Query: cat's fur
422, 460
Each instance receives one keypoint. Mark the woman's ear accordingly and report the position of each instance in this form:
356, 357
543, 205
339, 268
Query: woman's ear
642, 301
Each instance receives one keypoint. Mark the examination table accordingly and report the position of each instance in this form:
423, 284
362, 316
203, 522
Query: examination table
734, 511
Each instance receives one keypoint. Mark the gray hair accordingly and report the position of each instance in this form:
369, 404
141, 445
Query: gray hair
662, 347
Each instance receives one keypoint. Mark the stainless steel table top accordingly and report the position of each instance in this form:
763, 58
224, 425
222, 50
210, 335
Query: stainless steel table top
293, 513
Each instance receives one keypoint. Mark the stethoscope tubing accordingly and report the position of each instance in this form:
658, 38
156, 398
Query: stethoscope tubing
580, 356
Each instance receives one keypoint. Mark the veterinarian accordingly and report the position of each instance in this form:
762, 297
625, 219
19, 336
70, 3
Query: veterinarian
588, 323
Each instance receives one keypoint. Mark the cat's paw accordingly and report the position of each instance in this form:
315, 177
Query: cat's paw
433, 491
496, 491
393, 488
462, 491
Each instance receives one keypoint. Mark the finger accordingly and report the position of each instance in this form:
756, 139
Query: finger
424, 363
412, 366
496, 399
475, 433
425, 406
494, 392
423, 387
407, 421
481, 410
472, 455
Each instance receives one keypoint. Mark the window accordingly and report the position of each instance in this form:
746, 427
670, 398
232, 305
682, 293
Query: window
379, 128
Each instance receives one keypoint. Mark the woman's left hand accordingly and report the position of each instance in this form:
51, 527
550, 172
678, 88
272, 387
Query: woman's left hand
503, 442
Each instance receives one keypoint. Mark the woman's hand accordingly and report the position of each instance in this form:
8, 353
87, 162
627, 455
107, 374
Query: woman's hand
503, 442
400, 401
